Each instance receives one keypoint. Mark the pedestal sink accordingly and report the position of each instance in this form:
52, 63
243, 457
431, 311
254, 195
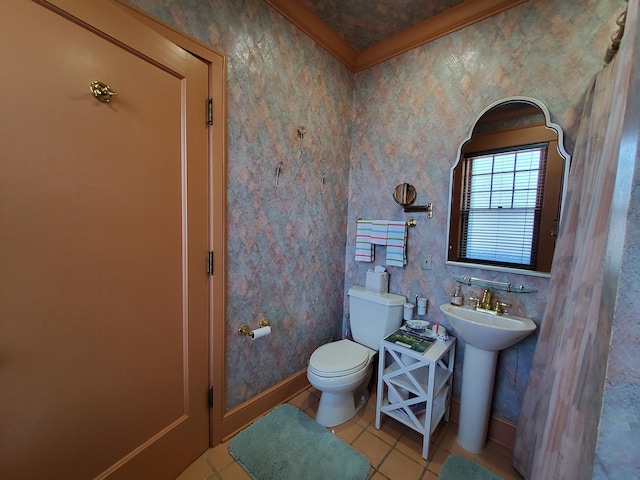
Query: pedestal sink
484, 335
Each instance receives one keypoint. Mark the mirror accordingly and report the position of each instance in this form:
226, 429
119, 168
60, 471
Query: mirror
404, 194
507, 188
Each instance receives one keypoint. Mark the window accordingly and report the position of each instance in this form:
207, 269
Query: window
502, 194
506, 192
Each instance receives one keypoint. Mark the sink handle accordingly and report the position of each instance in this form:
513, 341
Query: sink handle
474, 299
500, 306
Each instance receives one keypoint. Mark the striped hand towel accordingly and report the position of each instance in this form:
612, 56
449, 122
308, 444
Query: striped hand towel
396, 244
364, 249
379, 232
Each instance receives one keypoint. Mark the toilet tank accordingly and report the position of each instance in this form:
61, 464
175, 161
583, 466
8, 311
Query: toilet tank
373, 316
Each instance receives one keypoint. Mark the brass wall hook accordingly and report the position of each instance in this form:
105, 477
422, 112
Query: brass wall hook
300, 132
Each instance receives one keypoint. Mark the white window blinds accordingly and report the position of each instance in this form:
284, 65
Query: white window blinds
502, 194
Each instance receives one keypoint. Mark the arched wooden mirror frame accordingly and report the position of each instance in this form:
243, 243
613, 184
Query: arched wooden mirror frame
453, 230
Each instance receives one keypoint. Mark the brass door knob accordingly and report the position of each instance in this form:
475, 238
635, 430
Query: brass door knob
102, 91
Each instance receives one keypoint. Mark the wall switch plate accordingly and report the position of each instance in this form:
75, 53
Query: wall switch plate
426, 262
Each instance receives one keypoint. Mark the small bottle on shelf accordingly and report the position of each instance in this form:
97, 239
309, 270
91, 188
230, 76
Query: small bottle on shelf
456, 299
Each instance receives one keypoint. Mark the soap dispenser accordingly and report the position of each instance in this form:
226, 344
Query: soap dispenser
456, 299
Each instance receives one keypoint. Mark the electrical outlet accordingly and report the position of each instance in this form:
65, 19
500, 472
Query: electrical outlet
426, 262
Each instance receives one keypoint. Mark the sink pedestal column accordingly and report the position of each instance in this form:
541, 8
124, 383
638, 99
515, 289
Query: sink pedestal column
478, 373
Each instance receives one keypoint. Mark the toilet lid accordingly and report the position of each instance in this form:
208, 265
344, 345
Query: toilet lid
339, 358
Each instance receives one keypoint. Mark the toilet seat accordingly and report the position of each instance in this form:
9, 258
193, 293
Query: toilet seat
337, 359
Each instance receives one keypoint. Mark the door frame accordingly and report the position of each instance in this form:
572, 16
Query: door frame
217, 210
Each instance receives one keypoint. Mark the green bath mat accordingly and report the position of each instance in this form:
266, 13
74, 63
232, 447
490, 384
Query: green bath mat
286, 444
457, 467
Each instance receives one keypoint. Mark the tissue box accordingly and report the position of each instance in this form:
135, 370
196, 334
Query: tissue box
377, 282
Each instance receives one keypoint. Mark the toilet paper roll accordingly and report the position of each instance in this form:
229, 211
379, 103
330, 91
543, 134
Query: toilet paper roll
398, 397
260, 332
442, 400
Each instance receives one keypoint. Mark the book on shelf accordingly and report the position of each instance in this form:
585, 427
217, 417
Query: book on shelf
410, 340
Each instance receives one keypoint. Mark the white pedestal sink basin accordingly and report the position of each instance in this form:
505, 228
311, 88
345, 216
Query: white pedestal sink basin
484, 335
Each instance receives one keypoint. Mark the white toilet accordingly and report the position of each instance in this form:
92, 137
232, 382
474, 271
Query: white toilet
341, 370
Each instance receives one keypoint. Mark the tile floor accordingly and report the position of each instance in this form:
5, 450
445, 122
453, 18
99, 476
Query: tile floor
394, 451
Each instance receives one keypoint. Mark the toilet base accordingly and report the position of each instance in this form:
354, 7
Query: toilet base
336, 408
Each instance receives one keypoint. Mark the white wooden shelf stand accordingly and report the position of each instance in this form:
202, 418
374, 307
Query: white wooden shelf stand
427, 377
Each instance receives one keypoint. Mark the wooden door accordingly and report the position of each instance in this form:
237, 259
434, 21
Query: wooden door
103, 241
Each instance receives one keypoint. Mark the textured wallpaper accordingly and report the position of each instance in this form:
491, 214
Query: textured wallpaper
412, 112
285, 244
400, 121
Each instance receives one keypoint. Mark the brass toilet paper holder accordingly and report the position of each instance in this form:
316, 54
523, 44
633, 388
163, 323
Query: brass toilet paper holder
245, 330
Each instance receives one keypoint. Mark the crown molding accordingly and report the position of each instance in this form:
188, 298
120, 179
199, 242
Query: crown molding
452, 19
307, 21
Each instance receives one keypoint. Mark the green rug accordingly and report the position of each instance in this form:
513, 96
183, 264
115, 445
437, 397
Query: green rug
457, 467
286, 444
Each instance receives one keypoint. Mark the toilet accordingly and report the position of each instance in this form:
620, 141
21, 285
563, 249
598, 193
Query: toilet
341, 370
